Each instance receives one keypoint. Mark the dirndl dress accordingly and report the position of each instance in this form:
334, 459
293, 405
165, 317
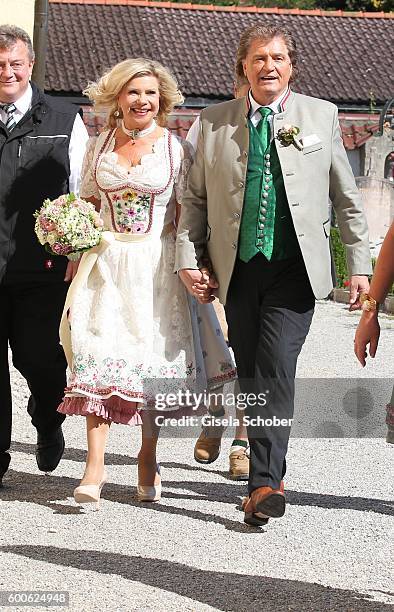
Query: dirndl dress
134, 332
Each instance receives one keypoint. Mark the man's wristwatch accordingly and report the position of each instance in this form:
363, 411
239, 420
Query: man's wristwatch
368, 302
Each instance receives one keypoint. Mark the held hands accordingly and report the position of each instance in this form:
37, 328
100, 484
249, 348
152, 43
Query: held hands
368, 332
71, 270
200, 284
358, 284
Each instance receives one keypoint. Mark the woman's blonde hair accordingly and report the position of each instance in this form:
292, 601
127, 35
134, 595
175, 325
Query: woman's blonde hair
104, 93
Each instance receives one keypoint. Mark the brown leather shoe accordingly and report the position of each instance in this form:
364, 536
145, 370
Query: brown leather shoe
256, 519
266, 502
239, 465
207, 447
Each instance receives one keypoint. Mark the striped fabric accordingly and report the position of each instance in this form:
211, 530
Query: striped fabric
9, 109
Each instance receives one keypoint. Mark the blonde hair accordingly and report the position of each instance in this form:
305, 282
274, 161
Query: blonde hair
104, 92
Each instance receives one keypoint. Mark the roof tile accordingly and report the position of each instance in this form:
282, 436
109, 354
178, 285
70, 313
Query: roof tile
342, 59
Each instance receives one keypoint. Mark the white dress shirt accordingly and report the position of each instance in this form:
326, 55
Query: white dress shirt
194, 130
254, 113
78, 140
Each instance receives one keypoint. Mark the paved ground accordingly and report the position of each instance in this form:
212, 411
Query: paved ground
191, 551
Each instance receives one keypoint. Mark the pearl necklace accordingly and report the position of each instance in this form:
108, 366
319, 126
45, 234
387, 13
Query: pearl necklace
136, 134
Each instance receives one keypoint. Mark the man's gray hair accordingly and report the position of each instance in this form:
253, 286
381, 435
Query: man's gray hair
9, 36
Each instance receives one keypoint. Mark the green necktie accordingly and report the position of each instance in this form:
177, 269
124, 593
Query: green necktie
263, 126
266, 220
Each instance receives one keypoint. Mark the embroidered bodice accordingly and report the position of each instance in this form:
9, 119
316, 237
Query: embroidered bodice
141, 199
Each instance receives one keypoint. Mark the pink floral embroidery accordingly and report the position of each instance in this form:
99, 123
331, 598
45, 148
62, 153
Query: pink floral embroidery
131, 211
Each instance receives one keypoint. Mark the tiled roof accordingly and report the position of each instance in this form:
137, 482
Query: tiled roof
356, 129
343, 58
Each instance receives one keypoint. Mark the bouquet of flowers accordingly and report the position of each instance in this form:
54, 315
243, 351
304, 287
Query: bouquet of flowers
68, 226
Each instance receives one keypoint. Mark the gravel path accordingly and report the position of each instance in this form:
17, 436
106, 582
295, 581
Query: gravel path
191, 551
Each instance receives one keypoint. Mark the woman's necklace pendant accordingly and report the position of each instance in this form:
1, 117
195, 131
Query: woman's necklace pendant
137, 134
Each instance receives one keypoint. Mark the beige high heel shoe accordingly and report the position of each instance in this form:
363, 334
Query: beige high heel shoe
90, 494
150, 493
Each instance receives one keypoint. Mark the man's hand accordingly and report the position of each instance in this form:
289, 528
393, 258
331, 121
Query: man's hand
368, 332
358, 284
200, 284
71, 270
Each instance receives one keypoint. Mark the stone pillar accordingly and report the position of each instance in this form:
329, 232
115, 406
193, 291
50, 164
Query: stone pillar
377, 148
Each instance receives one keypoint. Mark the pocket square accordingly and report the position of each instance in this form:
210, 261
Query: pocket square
312, 139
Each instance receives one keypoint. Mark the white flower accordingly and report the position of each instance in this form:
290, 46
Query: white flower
75, 223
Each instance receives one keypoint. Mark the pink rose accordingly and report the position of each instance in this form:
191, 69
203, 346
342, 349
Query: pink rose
60, 249
47, 224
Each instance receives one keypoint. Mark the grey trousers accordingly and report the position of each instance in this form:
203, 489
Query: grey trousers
269, 311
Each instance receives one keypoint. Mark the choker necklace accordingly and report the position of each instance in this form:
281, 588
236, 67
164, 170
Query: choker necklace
135, 134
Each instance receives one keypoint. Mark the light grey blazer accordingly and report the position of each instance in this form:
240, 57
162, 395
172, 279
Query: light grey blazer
212, 205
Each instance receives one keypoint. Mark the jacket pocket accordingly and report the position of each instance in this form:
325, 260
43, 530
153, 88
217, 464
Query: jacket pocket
46, 138
327, 227
317, 146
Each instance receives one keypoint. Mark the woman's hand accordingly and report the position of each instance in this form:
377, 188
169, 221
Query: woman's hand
368, 332
71, 270
200, 284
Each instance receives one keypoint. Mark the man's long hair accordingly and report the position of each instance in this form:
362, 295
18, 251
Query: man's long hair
265, 33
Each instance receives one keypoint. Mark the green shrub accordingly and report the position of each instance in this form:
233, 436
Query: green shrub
339, 255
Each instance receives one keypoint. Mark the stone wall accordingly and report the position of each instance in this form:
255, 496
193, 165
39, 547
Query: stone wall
376, 150
378, 199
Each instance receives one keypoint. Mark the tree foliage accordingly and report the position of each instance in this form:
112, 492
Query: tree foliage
368, 6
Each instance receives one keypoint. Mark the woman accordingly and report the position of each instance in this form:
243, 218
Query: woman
368, 330
132, 333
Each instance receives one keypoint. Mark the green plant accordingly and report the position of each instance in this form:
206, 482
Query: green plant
328, 5
339, 256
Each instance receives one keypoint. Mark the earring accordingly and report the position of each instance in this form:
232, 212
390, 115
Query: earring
117, 114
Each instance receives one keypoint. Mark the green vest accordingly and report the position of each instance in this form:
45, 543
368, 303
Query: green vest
266, 213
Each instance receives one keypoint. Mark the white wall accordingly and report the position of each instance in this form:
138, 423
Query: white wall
18, 12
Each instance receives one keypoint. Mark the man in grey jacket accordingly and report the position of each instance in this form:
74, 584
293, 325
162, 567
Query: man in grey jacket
258, 206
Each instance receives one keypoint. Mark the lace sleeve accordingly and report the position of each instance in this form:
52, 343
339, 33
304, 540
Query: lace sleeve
181, 180
89, 187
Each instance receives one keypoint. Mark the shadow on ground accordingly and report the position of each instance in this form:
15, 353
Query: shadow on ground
221, 590
49, 490
219, 491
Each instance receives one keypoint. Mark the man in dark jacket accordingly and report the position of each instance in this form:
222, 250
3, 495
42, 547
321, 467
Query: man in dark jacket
42, 143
